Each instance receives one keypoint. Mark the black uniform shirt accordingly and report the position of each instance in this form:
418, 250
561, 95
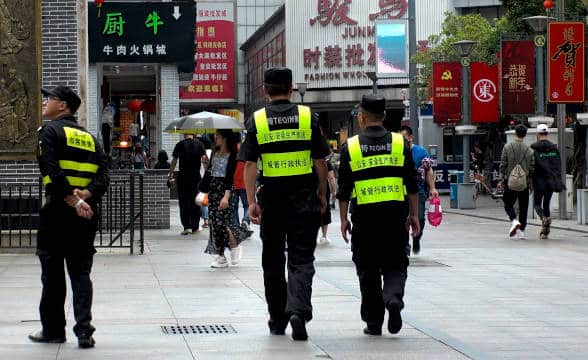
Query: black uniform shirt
250, 150
374, 135
189, 152
53, 147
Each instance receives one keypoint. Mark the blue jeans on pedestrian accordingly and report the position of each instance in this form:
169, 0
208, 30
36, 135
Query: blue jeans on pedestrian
240, 194
204, 212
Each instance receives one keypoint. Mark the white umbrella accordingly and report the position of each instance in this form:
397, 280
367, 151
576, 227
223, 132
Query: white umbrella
203, 123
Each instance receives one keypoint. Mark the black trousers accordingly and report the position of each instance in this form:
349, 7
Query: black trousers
189, 211
509, 198
299, 231
381, 264
65, 237
541, 201
54, 292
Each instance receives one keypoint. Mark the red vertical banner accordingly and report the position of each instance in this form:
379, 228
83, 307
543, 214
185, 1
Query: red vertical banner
565, 59
518, 77
447, 92
484, 92
214, 74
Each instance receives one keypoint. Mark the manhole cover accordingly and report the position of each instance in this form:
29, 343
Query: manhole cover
198, 329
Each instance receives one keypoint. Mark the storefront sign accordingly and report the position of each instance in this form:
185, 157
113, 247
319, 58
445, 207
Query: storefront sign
447, 92
332, 44
484, 92
145, 33
214, 74
518, 77
566, 72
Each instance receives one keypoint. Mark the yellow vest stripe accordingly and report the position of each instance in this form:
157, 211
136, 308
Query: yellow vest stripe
287, 164
379, 190
79, 139
78, 166
266, 136
73, 181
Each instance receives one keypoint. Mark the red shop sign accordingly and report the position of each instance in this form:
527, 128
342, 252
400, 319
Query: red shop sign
566, 71
447, 92
484, 92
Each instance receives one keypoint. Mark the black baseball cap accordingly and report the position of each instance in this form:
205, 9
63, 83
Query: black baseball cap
64, 93
375, 104
278, 76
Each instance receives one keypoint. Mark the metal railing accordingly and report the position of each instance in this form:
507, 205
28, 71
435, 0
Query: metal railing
19, 214
120, 214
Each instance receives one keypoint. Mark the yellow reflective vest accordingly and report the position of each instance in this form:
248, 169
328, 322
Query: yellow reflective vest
279, 163
372, 183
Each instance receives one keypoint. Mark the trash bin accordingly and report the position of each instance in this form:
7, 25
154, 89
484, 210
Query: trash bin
455, 177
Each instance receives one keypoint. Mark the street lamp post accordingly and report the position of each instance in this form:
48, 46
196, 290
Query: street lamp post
464, 48
539, 25
301, 90
374, 78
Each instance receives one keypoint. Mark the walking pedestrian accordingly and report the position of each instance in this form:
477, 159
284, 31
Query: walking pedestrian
239, 194
75, 174
289, 142
547, 178
426, 182
517, 165
191, 154
331, 193
140, 159
162, 161
377, 174
223, 231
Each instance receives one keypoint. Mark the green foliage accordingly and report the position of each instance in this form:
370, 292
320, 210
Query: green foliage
456, 28
516, 10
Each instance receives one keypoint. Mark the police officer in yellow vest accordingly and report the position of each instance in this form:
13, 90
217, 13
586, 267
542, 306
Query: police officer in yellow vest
75, 174
289, 143
377, 174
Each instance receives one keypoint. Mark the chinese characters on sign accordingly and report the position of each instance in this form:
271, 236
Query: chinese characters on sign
447, 92
141, 33
338, 45
214, 74
518, 77
566, 62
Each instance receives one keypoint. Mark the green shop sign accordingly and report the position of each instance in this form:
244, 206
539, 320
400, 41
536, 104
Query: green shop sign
142, 32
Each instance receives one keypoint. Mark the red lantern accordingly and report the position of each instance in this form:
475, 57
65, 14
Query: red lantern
99, 5
148, 106
134, 105
548, 4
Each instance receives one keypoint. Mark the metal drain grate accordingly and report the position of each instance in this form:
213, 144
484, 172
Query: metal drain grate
213, 329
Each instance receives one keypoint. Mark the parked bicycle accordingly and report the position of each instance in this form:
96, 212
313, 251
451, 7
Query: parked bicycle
481, 186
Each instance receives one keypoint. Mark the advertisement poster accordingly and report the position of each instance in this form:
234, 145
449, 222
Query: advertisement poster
565, 69
484, 92
392, 49
214, 74
447, 93
518, 77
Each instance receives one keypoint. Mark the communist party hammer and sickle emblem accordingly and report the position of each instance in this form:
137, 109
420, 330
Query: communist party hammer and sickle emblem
447, 75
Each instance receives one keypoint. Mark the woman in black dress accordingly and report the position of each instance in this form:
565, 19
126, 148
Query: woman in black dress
223, 232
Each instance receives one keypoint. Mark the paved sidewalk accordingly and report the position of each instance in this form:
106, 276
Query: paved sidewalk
471, 294
492, 209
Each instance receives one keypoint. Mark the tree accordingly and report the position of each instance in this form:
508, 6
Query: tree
516, 10
456, 28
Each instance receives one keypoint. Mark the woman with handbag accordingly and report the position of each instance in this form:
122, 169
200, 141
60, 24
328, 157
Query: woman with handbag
223, 231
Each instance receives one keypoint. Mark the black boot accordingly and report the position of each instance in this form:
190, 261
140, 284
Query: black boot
298, 325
